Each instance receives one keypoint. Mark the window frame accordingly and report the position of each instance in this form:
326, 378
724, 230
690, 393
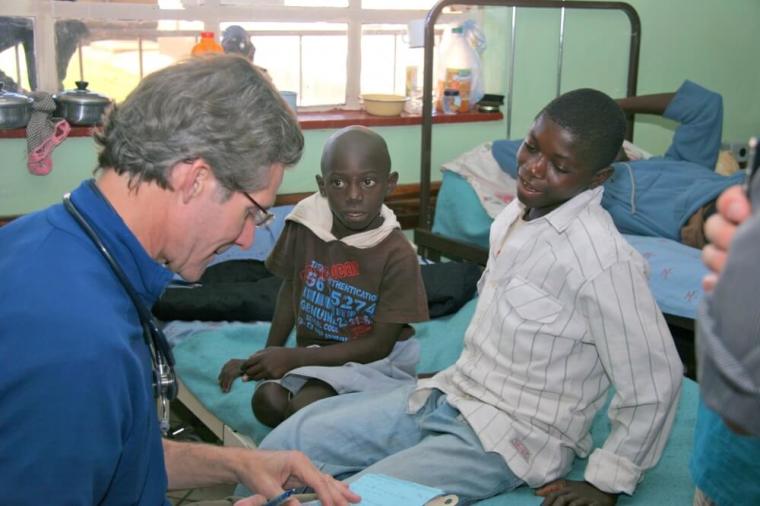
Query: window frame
211, 13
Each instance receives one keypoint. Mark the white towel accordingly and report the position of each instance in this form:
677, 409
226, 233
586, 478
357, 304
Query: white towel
494, 187
314, 212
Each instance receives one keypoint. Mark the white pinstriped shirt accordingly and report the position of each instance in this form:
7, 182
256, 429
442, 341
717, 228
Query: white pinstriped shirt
564, 311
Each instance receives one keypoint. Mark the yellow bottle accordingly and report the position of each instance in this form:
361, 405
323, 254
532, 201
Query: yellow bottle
207, 44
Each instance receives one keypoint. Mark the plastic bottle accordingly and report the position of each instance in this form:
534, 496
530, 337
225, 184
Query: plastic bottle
451, 102
207, 44
459, 67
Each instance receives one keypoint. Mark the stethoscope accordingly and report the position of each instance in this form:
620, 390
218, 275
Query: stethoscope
164, 380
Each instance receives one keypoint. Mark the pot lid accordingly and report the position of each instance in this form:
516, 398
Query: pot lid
82, 95
9, 99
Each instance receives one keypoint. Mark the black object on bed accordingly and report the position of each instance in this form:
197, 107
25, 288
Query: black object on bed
236, 290
449, 285
244, 290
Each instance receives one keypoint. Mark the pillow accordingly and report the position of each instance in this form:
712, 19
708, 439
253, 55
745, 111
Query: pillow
459, 213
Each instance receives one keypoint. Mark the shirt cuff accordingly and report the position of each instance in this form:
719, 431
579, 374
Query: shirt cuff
612, 473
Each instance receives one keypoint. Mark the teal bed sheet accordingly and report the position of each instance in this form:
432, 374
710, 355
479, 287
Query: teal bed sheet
201, 356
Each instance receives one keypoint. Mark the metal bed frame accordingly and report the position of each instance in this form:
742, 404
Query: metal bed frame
432, 245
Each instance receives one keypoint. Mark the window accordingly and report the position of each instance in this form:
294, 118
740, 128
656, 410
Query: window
16, 49
327, 51
308, 58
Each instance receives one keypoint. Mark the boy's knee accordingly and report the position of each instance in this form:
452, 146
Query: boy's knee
314, 390
270, 404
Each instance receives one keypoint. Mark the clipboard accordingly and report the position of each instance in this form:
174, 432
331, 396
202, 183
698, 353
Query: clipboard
444, 500
381, 490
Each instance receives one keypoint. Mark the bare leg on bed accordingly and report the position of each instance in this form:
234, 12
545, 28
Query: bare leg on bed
272, 403
312, 391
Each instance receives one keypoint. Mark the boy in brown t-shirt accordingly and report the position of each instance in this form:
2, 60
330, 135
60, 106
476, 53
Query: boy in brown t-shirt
352, 285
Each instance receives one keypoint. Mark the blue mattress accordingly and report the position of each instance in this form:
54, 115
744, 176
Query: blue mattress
676, 270
201, 356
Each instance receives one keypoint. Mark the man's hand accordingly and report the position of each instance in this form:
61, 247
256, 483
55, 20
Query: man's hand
269, 473
575, 493
733, 208
270, 363
230, 371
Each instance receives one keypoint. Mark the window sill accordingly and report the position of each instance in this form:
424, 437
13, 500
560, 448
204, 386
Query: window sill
20, 133
336, 118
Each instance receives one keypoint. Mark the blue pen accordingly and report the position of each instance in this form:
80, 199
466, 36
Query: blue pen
276, 501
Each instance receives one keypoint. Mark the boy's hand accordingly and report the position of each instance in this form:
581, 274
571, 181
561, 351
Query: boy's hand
271, 363
229, 372
577, 493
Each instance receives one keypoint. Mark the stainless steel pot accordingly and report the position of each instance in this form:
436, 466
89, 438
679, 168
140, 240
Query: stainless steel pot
81, 106
15, 109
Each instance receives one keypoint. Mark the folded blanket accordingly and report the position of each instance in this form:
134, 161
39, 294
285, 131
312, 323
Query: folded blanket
494, 187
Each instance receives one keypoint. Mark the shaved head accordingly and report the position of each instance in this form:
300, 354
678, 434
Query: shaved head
356, 143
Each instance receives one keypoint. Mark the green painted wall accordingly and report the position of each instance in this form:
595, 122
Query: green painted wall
75, 159
712, 42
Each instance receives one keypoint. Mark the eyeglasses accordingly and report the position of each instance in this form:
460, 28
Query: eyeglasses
261, 217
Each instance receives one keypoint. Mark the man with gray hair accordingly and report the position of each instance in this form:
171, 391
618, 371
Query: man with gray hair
188, 165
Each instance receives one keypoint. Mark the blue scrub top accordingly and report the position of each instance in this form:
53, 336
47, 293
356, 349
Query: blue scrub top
77, 414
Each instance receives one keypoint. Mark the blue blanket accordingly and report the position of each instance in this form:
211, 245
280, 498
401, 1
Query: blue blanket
201, 356
653, 197
676, 270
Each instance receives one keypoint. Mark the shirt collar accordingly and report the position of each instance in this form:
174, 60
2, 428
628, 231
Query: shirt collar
562, 216
148, 277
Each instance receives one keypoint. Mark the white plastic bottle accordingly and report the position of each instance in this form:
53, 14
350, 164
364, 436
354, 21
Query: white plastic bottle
458, 67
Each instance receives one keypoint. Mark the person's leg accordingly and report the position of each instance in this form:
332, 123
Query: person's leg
693, 231
346, 433
314, 390
270, 404
449, 457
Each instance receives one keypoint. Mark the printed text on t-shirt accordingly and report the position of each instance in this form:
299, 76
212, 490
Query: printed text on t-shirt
332, 308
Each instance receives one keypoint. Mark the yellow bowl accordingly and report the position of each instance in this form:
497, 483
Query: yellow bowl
384, 105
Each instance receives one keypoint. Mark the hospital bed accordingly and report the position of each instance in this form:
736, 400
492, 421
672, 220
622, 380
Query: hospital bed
201, 348
205, 347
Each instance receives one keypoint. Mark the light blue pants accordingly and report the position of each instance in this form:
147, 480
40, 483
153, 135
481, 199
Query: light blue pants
373, 433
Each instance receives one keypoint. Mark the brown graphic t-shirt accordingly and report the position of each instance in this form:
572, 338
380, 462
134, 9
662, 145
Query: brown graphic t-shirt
339, 291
